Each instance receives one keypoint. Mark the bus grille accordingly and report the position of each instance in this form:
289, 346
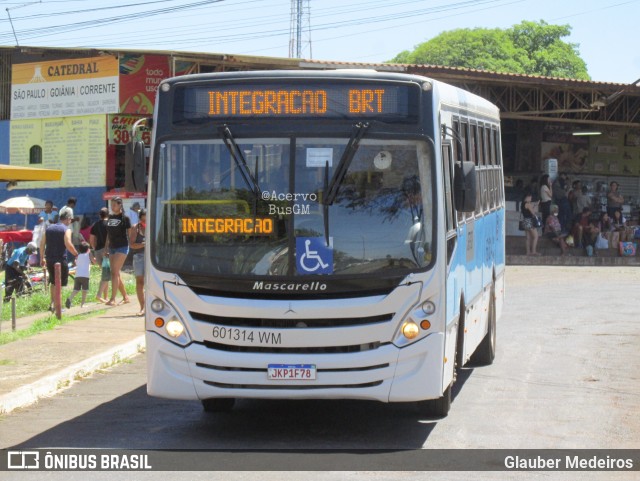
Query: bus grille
255, 369
290, 323
298, 387
295, 350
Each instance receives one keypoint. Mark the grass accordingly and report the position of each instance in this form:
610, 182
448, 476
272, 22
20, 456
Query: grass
38, 303
41, 325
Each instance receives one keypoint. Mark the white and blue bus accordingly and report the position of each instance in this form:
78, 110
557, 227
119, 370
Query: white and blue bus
332, 234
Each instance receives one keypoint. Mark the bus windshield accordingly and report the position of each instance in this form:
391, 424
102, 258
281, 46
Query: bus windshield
211, 220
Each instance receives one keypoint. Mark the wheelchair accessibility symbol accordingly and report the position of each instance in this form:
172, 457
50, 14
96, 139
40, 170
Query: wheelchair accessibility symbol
313, 256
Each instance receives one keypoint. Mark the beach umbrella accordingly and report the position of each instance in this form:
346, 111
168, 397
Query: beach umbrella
22, 205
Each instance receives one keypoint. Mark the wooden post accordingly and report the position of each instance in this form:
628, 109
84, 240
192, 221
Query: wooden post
57, 290
13, 313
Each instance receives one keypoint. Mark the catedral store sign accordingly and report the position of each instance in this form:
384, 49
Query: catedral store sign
64, 88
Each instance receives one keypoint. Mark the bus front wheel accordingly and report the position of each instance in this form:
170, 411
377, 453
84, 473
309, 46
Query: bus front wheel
436, 407
486, 351
218, 405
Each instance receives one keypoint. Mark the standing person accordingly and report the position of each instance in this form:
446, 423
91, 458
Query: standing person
545, 197
83, 269
117, 248
54, 245
13, 273
580, 198
75, 224
97, 240
137, 233
105, 277
561, 199
530, 220
133, 213
98, 235
614, 199
85, 229
48, 216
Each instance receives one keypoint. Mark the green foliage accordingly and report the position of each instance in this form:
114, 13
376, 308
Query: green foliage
533, 48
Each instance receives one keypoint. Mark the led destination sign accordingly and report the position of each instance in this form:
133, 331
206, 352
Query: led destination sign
226, 225
340, 100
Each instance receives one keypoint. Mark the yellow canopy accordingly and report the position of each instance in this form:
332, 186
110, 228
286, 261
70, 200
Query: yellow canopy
12, 173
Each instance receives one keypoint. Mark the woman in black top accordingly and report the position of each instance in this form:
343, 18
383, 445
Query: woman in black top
528, 210
117, 248
138, 243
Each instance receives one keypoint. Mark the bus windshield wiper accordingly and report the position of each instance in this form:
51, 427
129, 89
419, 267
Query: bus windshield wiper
325, 206
239, 159
349, 153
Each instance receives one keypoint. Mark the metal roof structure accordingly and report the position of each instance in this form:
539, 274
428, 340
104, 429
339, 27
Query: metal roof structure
530, 97
519, 96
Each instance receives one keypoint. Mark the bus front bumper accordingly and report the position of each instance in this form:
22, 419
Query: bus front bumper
386, 374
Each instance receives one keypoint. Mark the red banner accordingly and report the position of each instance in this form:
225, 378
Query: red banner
119, 130
140, 76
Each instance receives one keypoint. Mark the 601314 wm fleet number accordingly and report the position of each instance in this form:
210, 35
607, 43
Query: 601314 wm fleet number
246, 335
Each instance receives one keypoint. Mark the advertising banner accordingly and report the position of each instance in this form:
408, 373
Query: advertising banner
64, 88
140, 76
119, 131
611, 152
75, 145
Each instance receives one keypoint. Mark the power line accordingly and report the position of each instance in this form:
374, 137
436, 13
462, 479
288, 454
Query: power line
219, 22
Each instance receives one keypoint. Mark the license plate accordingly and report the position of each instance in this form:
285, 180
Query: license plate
286, 372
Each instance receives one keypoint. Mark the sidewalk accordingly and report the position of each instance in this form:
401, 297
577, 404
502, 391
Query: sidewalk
41, 365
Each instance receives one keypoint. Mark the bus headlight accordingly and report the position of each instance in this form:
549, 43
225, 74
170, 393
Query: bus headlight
157, 305
166, 322
428, 308
174, 328
410, 330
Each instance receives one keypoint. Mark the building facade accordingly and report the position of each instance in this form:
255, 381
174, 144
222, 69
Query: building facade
72, 109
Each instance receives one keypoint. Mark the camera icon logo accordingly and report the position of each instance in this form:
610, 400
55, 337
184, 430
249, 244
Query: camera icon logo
23, 460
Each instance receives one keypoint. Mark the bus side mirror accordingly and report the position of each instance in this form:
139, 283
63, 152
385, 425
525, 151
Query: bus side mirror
464, 186
135, 167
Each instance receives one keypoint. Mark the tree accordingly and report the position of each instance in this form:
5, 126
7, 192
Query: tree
533, 48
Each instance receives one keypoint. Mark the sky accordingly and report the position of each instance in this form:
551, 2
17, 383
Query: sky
341, 30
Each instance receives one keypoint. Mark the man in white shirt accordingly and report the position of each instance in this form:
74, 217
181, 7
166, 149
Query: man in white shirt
133, 213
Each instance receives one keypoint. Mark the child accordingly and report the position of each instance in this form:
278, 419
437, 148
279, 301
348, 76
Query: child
105, 277
83, 265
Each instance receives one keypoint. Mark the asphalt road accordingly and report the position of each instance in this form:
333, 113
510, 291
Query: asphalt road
567, 375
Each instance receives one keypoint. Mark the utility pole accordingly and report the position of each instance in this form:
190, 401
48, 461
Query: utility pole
300, 28
11, 20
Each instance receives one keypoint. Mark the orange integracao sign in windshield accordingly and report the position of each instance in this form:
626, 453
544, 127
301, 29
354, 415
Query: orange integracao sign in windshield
227, 225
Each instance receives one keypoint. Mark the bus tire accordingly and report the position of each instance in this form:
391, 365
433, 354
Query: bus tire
218, 405
486, 351
438, 408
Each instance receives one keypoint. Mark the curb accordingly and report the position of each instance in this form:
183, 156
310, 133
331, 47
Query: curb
52, 384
